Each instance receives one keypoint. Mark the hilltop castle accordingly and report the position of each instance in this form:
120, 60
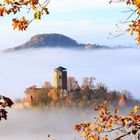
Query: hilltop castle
60, 83
60, 92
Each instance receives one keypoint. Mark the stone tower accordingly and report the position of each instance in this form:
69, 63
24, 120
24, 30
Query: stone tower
60, 78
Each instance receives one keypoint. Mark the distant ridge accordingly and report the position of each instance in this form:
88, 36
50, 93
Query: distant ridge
53, 41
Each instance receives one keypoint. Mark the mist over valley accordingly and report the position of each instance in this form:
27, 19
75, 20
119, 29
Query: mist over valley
118, 69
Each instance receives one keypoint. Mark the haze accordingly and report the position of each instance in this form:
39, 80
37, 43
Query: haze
118, 69
37, 125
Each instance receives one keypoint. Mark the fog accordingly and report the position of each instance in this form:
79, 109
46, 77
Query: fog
118, 69
37, 125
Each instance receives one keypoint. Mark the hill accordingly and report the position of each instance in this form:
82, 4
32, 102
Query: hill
53, 41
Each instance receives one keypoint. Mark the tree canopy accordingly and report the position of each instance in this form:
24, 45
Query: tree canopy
34, 8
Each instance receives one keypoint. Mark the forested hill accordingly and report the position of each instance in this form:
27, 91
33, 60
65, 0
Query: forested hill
54, 41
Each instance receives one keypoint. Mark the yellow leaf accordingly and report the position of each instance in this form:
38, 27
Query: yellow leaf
105, 137
37, 15
135, 109
91, 126
99, 129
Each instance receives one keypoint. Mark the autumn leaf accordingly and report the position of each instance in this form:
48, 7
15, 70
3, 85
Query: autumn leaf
116, 111
105, 137
135, 109
37, 15
134, 131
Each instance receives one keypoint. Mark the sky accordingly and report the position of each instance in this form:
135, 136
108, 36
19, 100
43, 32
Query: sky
88, 21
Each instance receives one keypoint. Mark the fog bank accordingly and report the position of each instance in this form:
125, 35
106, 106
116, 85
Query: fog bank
37, 125
119, 69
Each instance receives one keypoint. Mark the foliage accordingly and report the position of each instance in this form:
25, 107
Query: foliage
4, 103
86, 95
107, 123
134, 17
88, 82
72, 83
53, 95
34, 8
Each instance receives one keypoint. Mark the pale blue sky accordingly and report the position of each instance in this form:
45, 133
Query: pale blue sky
88, 21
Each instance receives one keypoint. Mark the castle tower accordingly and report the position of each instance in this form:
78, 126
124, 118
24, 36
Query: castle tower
60, 78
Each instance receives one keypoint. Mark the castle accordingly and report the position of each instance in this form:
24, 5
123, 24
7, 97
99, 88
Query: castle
60, 87
60, 83
60, 78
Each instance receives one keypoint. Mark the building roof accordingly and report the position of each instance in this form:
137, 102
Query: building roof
122, 101
61, 68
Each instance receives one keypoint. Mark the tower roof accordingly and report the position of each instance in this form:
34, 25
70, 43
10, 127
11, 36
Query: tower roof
60, 68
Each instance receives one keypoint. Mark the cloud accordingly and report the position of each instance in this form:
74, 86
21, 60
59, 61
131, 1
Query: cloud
78, 5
